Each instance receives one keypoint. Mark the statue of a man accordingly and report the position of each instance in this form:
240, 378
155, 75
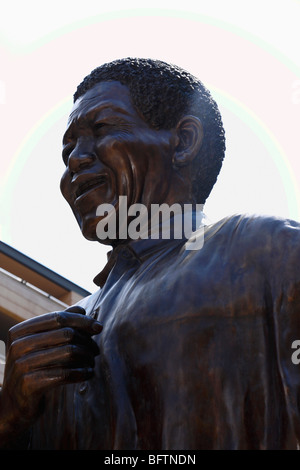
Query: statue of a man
180, 348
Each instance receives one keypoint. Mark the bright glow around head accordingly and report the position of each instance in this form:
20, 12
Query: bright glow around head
233, 47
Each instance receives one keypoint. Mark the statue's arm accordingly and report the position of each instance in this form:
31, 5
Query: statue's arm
43, 352
284, 303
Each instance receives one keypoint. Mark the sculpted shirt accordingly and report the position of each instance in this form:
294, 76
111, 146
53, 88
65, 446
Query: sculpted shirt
196, 348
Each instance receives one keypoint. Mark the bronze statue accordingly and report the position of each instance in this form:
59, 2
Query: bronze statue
179, 349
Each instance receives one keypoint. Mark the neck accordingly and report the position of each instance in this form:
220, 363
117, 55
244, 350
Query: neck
160, 221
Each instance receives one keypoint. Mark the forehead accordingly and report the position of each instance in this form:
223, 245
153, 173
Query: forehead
104, 95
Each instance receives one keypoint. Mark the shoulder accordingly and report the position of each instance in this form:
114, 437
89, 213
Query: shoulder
249, 238
262, 230
253, 224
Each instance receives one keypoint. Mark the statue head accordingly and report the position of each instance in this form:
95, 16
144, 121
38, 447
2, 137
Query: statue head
144, 129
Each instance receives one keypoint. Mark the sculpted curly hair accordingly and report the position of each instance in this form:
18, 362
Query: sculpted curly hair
163, 93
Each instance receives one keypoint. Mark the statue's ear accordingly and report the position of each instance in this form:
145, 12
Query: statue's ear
189, 137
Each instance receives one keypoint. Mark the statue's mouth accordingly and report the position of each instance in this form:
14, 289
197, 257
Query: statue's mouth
87, 186
84, 184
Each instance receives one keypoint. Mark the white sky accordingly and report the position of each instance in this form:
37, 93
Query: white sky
246, 52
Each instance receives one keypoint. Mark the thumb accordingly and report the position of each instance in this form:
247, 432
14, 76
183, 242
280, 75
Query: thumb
76, 309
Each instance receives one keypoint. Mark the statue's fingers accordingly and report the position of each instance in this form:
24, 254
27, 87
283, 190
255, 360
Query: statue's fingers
43, 380
45, 340
66, 355
52, 321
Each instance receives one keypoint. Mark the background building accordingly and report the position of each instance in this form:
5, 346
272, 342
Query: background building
28, 289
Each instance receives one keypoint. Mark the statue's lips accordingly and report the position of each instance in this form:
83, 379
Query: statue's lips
84, 184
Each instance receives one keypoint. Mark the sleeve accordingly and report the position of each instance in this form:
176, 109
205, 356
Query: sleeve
284, 298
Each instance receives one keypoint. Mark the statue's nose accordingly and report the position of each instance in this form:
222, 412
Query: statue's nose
81, 157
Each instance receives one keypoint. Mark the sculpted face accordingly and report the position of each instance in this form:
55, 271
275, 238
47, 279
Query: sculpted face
110, 151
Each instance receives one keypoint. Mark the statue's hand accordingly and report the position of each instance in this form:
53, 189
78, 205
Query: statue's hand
43, 352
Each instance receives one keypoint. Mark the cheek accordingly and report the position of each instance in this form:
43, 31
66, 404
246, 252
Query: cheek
141, 163
119, 156
114, 152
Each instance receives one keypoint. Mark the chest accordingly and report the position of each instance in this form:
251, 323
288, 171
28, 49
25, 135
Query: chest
178, 307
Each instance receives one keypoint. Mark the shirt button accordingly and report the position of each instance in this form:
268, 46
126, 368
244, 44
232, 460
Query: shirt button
94, 314
83, 388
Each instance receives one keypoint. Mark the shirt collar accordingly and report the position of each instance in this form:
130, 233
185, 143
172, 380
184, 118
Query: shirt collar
140, 249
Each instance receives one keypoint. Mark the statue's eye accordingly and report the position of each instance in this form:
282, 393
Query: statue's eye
99, 126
